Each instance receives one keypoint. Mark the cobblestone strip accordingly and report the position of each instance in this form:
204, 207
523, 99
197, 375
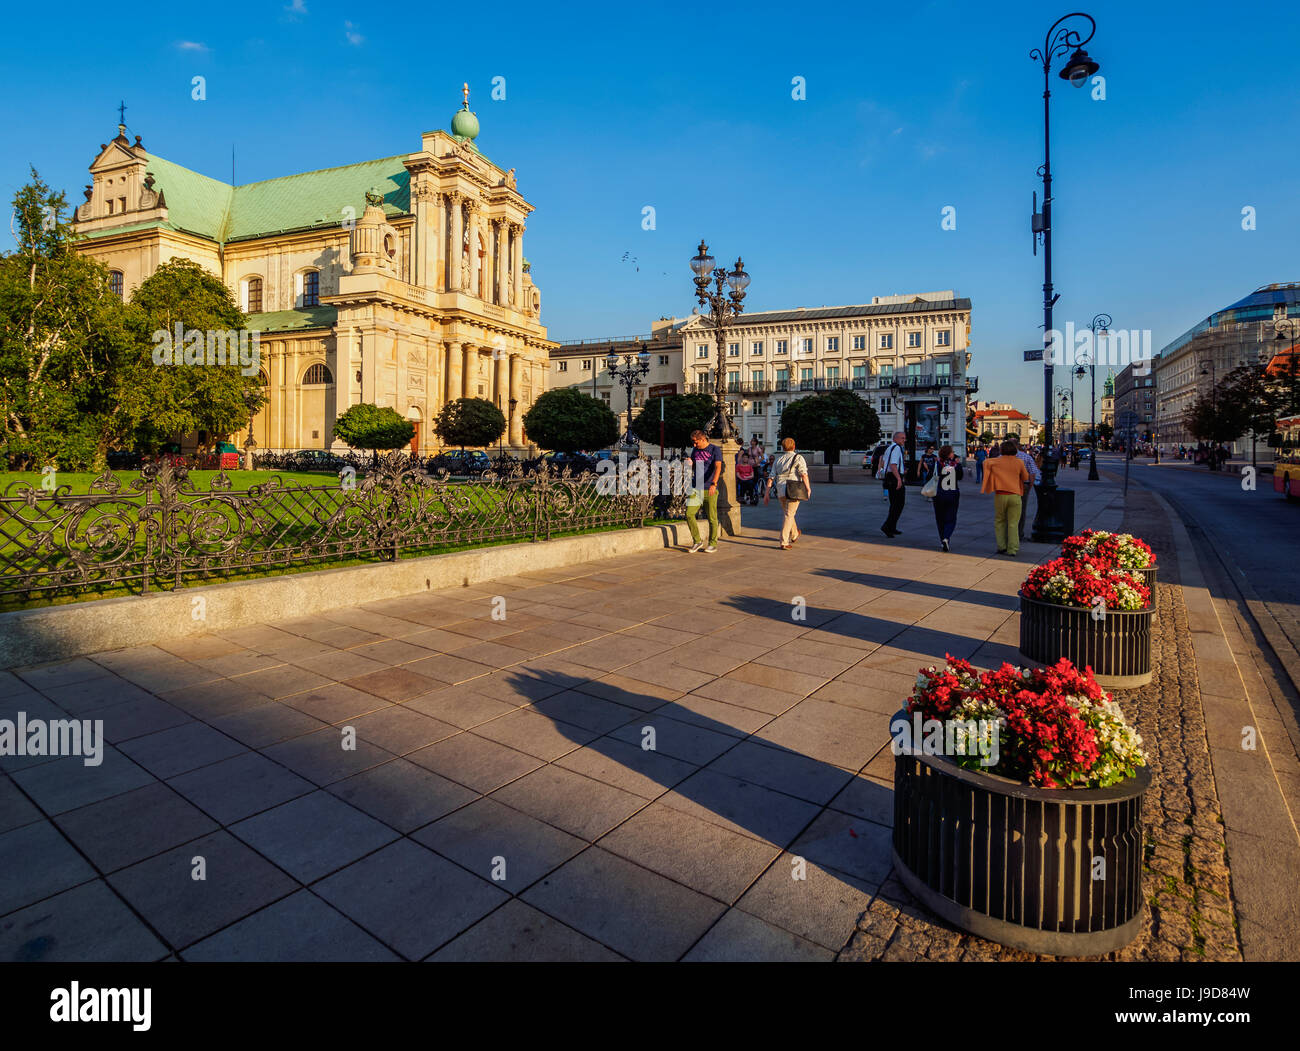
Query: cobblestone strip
1186, 885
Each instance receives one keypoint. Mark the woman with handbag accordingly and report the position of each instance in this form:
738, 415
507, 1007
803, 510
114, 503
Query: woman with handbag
942, 489
789, 475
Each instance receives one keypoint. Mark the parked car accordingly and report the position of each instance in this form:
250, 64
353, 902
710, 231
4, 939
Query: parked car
471, 462
555, 462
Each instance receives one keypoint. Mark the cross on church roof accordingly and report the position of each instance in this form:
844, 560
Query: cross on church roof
121, 113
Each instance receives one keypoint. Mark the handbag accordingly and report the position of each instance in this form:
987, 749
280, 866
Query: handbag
931, 488
796, 490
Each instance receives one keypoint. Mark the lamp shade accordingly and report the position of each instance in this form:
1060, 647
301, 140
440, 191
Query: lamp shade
1079, 68
702, 264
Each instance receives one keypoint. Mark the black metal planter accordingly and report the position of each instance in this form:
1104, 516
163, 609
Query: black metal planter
1056, 871
1117, 647
1148, 577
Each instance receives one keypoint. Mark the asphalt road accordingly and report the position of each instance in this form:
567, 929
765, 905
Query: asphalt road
1256, 534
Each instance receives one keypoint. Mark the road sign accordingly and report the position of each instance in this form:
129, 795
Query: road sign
663, 390
1034, 355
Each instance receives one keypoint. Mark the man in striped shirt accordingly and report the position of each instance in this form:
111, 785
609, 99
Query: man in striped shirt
1035, 478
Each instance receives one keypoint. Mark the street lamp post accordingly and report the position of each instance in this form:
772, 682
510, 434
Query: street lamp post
725, 302
634, 368
1100, 327
1049, 524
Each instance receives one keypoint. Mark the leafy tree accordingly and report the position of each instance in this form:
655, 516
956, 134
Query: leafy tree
1105, 431
215, 391
683, 413
987, 437
366, 426
831, 422
567, 420
1211, 418
61, 336
469, 422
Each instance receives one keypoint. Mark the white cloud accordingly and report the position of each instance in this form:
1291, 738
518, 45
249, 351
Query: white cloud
298, 7
350, 31
191, 45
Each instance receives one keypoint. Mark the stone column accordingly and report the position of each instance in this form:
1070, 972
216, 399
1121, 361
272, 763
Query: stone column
517, 268
501, 393
516, 421
470, 386
454, 248
503, 263
471, 284
455, 384
437, 244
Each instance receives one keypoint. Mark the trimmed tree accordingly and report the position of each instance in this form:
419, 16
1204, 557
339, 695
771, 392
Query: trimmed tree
683, 413
567, 420
830, 423
469, 422
366, 426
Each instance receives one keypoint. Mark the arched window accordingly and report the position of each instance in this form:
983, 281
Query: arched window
317, 374
311, 288
254, 296
115, 283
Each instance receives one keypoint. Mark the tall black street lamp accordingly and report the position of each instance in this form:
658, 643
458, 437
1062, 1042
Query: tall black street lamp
1100, 327
724, 307
1049, 523
633, 369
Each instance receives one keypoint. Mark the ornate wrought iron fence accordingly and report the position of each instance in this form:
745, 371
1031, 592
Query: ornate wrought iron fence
161, 529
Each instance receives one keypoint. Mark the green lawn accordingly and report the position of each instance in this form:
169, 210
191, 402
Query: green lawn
279, 531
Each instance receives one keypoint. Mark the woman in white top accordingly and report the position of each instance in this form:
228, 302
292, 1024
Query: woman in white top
787, 467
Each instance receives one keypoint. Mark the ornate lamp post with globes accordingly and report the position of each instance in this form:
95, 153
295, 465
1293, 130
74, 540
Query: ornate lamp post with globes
634, 368
725, 302
1100, 327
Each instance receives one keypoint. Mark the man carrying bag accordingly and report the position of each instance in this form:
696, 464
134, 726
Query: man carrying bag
891, 475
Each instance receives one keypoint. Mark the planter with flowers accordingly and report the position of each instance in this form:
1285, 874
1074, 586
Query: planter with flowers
1082, 608
1025, 825
1122, 550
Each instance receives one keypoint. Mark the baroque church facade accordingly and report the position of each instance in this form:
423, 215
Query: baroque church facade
400, 282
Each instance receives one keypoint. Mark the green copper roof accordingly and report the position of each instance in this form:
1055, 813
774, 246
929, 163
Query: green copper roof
464, 125
293, 320
213, 209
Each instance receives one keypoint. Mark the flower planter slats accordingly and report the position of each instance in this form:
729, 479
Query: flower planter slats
1116, 647
1015, 864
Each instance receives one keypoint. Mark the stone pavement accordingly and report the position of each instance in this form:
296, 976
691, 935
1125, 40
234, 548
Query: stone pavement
513, 748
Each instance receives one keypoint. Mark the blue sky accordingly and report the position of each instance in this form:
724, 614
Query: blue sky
688, 109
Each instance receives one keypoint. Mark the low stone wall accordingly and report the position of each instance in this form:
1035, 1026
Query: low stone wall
52, 633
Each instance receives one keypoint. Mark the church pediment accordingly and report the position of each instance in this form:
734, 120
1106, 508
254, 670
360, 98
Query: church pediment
118, 152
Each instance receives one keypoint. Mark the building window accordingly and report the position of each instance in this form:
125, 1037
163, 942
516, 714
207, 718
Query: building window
859, 372
780, 407
782, 346
733, 350
756, 347
943, 409
859, 342
701, 350
886, 341
561, 366
663, 360
756, 376
311, 288
833, 373
604, 396
942, 338
914, 339
914, 368
756, 408
805, 375
317, 374
115, 284
782, 376
833, 344
807, 346
586, 364
733, 380
110, 206
943, 370
254, 295
887, 372
886, 404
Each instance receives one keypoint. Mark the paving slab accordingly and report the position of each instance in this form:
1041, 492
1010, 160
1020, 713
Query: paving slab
133, 826
314, 835
88, 924
518, 933
240, 787
739, 937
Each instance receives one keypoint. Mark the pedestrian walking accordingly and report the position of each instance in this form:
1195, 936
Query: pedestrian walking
707, 462
1005, 476
891, 466
981, 454
1035, 478
929, 461
789, 477
949, 494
